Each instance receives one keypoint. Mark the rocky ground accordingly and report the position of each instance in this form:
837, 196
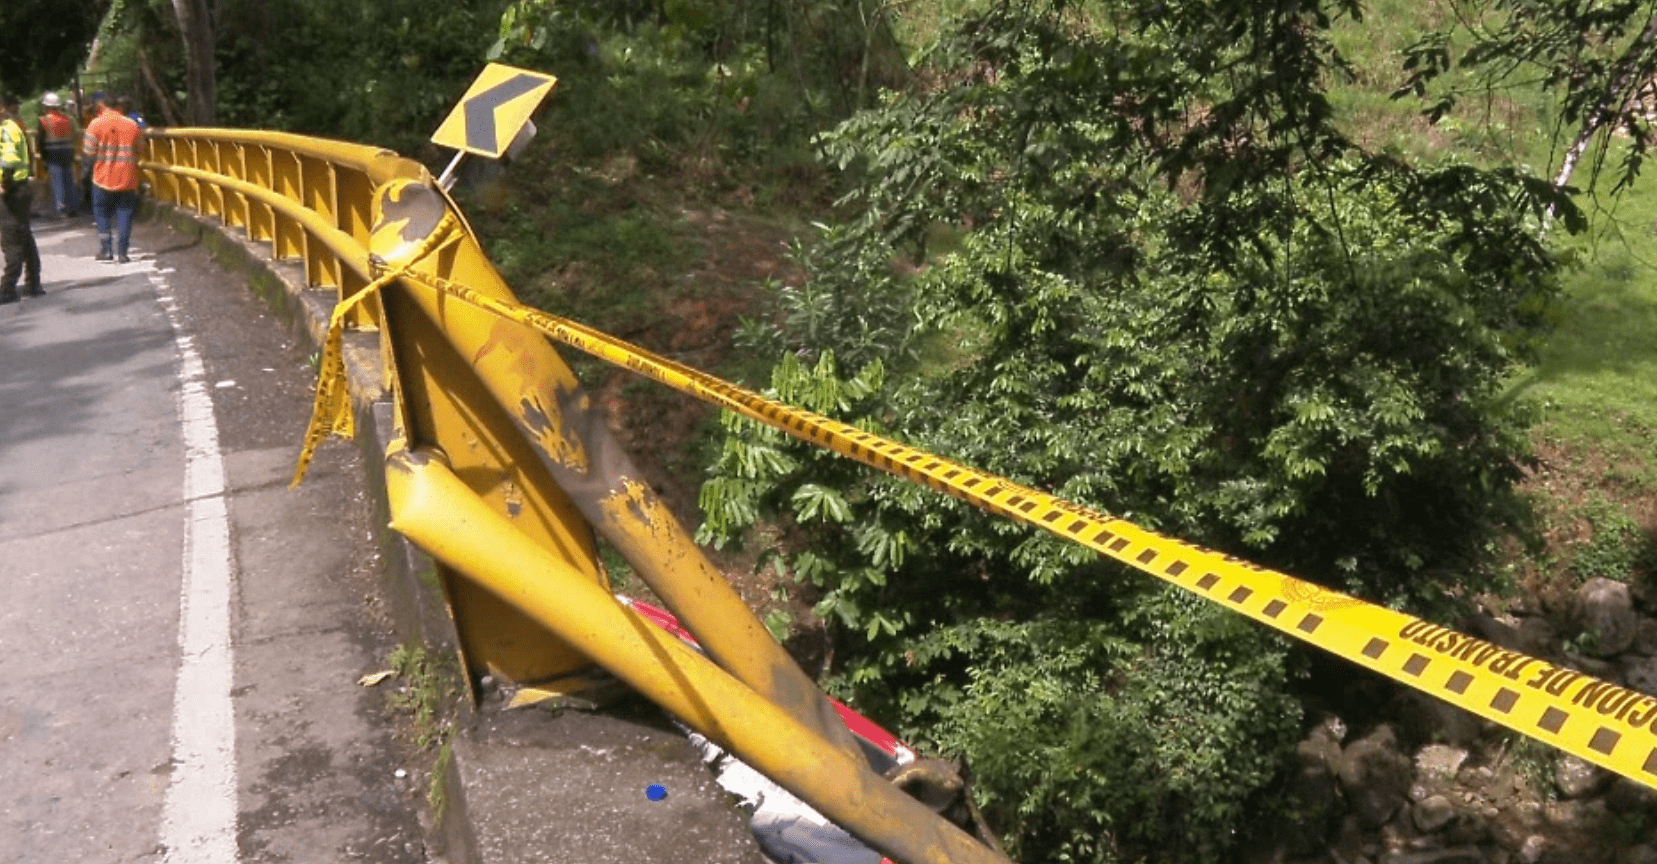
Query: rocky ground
1387, 776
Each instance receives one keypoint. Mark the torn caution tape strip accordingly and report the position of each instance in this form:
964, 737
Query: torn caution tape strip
1598, 721
331, 411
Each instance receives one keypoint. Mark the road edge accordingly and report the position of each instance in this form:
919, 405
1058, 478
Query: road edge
409, 582
510, 787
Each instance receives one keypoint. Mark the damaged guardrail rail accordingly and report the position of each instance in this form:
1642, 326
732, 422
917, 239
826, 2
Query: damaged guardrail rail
504, 473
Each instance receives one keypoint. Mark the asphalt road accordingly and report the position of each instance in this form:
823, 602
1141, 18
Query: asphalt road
181, 635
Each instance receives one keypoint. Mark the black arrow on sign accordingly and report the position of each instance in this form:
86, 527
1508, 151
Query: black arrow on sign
480, 110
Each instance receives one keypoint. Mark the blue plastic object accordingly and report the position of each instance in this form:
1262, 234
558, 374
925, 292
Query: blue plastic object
655, 792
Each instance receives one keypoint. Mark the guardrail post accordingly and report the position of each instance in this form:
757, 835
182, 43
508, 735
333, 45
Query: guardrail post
434, 507
261, 218
445, 406
546, 407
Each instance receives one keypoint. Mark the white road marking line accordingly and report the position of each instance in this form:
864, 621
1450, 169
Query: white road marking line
198, 819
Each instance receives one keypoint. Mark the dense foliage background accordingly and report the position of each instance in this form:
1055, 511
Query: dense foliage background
1125, 252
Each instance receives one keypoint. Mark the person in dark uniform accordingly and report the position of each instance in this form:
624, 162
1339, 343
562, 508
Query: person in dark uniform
17, 238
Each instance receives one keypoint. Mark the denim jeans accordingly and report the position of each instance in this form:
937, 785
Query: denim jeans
65, 195
119, 204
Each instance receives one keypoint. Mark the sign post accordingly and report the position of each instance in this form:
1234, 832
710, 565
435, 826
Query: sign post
492, 119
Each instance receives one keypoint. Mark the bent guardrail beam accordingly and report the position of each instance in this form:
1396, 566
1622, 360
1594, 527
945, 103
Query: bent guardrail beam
313, 201
328, 203
547, 408
497, 401
435, 509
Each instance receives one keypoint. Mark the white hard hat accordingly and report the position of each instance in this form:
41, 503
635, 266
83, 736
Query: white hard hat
50, 100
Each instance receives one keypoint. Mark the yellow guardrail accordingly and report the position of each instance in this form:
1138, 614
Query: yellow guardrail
310, 200
504, 473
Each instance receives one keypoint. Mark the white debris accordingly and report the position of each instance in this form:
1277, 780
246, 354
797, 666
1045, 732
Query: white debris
788, 829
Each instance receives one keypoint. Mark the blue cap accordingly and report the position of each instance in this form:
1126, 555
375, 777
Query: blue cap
655, 792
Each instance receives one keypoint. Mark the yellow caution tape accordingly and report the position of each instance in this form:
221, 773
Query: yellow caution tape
1598, 721
331, 411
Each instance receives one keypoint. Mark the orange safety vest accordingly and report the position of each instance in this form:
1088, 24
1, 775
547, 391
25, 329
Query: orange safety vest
112, 145
57, 137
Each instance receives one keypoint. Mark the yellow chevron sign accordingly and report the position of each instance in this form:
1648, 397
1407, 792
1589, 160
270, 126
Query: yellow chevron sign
494, 109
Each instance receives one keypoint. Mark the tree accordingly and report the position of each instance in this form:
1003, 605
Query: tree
1124, 252
686, 74
304, 65
195, 23
42, 42
1597, 60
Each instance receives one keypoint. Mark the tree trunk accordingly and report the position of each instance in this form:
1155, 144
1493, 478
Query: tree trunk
1613, 104
169, 109
196, 23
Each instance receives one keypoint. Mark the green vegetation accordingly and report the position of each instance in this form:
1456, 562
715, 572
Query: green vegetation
44, 40
1597, 378
427, 692
1308, 369
437, 790
1313, 370
1535, 762
1593, 388
381, 71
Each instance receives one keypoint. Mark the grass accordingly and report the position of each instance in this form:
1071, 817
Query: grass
429, 688
594, 244
429, 685
1593, 492
1597, 379
437, 790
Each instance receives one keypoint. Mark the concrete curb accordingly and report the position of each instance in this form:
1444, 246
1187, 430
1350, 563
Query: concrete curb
519, 786
409, 581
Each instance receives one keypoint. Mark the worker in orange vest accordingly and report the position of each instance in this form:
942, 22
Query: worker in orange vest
111, 145
56, 134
